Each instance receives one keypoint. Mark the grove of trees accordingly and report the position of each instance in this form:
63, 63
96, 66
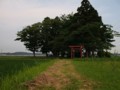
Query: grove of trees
85, 27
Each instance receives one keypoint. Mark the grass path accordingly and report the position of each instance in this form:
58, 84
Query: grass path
60, 76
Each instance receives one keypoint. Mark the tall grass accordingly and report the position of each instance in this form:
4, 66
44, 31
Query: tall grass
103, 70
29, 68
11, 65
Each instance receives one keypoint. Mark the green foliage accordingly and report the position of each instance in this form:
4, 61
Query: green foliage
107, 54
104, 54
15, 71
50, 30
86, 14
104, 71
85, 27
89, 30
31, 36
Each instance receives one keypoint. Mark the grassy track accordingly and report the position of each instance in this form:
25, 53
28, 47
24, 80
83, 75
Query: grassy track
105, 71
60, 76
16, 70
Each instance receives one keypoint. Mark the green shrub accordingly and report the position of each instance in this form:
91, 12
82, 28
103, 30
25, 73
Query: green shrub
104, 54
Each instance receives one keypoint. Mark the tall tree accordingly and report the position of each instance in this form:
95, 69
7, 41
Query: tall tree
31, 36
59, 44
51, 29
86, 14
88, 29
46, 27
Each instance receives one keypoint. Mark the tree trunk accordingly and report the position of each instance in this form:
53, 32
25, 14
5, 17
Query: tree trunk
87, 53
93, 54
55, 54
46, 54
33, 53
62, 54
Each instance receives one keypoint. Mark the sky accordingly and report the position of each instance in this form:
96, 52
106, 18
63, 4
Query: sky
17, 14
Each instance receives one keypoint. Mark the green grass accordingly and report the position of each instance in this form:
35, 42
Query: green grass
14, 71
11, 65
106, 71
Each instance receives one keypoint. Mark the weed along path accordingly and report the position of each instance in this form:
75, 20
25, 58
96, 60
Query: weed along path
60, 76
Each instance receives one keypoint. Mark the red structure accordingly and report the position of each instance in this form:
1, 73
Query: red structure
74, 48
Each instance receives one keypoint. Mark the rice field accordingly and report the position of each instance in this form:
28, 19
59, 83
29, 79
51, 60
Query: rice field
104, 71
15, 71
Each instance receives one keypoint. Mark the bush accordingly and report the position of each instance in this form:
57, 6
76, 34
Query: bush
104, 54
107, 54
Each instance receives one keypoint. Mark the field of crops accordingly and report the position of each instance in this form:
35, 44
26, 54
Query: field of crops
105, 71
14, 71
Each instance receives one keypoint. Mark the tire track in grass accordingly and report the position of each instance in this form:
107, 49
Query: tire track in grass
60, 76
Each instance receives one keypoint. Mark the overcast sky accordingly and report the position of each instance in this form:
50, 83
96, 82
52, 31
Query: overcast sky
17, 14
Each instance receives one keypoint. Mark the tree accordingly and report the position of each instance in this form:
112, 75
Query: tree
88, 29
31, 36
50, 30
85, 27
46, 27
86, 14
59, 44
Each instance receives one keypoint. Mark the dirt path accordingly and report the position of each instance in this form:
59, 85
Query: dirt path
60, 76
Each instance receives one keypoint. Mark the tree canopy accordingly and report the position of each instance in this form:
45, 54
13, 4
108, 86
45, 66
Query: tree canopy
85, 27
31, 36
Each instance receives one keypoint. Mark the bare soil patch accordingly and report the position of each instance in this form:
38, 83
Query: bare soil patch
60, 76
